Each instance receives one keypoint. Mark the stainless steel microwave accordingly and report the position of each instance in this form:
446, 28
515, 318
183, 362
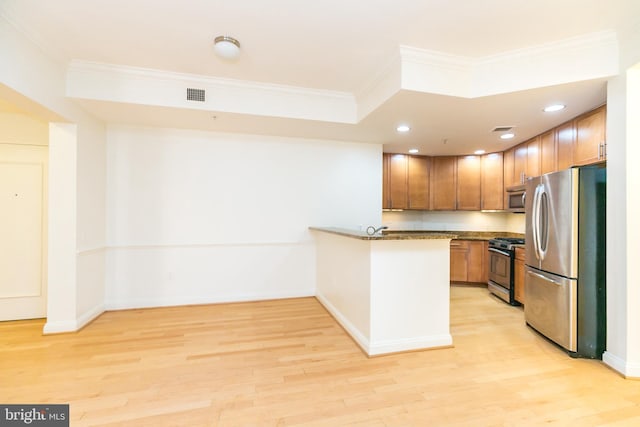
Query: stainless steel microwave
515, 198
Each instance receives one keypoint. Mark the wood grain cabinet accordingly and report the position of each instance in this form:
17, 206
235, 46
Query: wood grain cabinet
405, 181
520, 163
518, 278
458, 260
590, 143
548, 158
468, 261
565, 137
396, 181
468, 183
418, 168
492, 182
443, 183
533, 157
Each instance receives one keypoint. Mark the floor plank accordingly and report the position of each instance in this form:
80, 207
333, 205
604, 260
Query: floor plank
287, 362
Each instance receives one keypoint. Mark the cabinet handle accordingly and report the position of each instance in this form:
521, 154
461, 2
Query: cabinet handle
604, 150
600, 151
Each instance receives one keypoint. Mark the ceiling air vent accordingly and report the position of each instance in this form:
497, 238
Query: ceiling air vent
195, 95
502, 128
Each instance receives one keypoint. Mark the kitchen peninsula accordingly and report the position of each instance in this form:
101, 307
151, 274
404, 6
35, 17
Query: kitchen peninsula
389, 291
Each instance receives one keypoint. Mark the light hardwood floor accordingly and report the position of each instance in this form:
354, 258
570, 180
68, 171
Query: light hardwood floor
287, 362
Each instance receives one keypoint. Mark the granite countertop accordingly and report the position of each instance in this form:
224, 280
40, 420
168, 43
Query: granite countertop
388, 234
417, 234
485, 235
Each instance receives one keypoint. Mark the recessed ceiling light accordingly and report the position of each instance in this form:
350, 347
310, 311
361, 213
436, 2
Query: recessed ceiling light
507, 135
413, 150
403, 128
479, 152
554, 107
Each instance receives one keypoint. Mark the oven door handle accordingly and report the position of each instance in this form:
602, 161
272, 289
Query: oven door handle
500, 252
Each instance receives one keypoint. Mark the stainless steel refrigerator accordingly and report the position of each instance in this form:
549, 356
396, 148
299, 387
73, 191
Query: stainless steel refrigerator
565, 273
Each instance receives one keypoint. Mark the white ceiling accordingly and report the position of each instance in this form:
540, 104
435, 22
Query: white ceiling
329, 45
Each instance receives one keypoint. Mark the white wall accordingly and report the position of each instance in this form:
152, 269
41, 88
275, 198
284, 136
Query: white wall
454, 221
38, 82
623, 204
200, 217
23, 129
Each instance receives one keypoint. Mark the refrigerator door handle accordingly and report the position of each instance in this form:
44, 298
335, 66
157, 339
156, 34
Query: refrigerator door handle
545, 278
534, 221
543, 222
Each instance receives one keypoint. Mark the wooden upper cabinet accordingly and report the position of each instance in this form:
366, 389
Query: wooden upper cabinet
548, 161
385, 181
565, 137
492, 182
443, 183
533, 157
520, 163
398, 181
589, 145
469, 183
508, 159
418, 182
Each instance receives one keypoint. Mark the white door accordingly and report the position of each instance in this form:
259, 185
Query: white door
23, 201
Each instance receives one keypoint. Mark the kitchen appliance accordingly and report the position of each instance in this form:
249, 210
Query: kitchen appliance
502, 252
565, 271
516, 197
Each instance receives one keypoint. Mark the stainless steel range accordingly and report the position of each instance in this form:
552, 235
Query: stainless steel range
502, 252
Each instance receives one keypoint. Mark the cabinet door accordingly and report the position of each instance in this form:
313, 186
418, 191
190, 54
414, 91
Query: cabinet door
443, 183
469, 183
492, 185
386, 203
590, 138
508, 158
477, 259
548, 161
565, 137
533, 157
520, 163
398, 181
458, 261
418, 182
518, 278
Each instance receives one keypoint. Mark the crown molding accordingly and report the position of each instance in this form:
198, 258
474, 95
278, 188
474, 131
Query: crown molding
585, 57
117, 83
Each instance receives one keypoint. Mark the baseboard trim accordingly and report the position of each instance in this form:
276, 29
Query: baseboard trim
627, 370
410, 344
360, 339
67, 326
173, 301
90, 316
380, 348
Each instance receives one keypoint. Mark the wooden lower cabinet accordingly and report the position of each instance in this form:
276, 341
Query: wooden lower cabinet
468, 261
518, 279
458, 260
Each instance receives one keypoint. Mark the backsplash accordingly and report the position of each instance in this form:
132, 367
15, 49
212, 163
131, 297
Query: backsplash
454, 221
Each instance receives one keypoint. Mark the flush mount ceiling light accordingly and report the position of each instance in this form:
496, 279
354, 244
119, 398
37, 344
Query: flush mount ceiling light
413, 151
403, 128
478, 152
554, 107
226, 47
508, 135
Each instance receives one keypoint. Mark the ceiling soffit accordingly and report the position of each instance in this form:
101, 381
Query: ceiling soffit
588, 57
